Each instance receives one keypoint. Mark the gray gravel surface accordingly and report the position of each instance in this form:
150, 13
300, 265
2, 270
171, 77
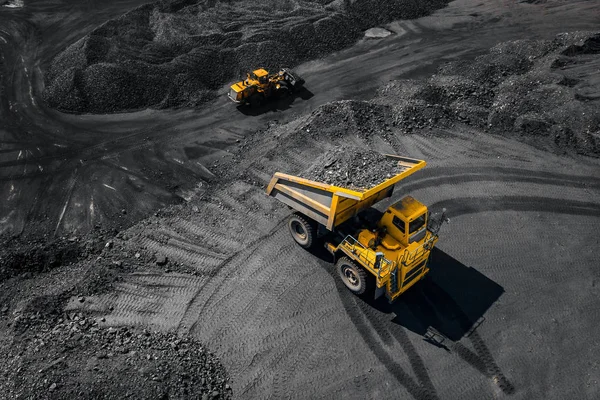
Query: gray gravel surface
534, 89
70, 356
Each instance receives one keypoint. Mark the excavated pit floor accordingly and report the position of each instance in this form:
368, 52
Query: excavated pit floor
508, 308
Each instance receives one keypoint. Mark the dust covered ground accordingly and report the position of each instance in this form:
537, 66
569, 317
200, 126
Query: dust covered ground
139, 245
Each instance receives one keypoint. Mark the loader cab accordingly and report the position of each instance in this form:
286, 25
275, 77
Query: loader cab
406, 221
260, 75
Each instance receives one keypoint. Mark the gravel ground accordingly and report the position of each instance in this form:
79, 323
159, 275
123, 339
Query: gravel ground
520, 88
53, 352
175, 53
71, 357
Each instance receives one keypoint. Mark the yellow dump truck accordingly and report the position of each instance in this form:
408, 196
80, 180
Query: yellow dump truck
381, 252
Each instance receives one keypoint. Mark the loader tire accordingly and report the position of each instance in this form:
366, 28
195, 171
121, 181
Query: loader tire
256, 100
302, 229
284, 91
354, 277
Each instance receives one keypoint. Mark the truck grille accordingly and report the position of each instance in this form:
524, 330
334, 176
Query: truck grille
414, 273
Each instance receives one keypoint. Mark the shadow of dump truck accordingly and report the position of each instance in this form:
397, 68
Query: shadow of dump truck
449, 303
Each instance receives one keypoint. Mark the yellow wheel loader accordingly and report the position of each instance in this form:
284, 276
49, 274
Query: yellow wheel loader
383, 252
260, 86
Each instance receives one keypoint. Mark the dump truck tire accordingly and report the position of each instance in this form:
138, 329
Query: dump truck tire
354, 277
302, 229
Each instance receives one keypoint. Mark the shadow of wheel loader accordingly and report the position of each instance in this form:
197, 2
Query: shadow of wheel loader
449, 303
274, 105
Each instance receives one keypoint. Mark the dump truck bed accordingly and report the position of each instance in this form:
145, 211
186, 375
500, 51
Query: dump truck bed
332, 205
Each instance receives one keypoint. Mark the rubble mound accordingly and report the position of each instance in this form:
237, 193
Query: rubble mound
109, 363
525, 88
352, 167
31, 255
340, 119
178, 52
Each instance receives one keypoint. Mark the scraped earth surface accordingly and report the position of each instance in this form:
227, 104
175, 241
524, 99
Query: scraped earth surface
511, 300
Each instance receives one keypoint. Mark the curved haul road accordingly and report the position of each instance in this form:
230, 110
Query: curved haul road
510, 309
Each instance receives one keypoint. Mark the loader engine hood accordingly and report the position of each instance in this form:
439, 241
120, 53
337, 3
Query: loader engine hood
235, 91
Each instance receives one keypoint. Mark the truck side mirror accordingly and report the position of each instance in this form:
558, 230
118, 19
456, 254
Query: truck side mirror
444, 218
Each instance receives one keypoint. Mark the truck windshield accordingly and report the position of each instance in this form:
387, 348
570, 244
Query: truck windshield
416, 224
399, 224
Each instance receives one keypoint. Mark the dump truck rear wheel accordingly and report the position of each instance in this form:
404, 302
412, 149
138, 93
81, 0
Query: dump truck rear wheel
303, 230
354, 277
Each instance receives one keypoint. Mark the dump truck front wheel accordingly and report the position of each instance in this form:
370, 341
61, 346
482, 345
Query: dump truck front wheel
303, 230
354, 277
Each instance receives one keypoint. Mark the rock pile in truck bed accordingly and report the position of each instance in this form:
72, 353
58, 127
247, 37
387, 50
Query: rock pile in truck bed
352, 167
178, 52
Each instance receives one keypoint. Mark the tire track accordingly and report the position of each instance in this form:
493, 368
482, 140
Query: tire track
400, 336
194, 256
145, 300
468, 205
366, 331
518, 175
482, 360
228, 267
202, 234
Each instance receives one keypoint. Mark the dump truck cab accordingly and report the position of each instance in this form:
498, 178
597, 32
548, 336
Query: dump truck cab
405, 220
403, 223
384, 251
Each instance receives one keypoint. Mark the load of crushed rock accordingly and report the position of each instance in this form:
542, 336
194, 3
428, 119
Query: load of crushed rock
178, 52
73, 358
544, 92
352, 167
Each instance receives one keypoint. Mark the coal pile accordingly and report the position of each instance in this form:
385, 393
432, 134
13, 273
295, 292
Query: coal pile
72, 357
352, 167
340, 119
527, 89
178, 52
32, 255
